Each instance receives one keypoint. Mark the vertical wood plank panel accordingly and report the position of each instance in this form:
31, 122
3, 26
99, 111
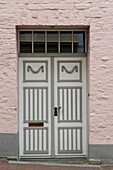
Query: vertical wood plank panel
44, 104
70, 139
31, 139
37, 104
78, 104
35, 140
40, 139
60, 103
69, 104
74, 139
74, 104
40, 104
27, 139
78, 139
65, 104
61, 139
65, 139
26, 105
35, 100
44, 138
31, 104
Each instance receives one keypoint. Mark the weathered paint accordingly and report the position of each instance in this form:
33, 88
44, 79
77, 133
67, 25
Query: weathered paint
98, 15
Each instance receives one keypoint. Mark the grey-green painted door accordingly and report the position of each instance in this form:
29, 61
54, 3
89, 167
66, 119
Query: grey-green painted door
45, 83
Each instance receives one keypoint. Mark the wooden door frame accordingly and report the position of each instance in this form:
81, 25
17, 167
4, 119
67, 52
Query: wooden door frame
60, 55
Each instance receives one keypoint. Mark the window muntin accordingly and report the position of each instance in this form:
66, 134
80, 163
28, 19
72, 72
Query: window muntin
52, 41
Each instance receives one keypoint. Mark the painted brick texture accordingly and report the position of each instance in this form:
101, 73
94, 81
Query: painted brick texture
96, 14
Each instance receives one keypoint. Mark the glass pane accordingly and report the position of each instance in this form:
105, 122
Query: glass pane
65, 41
79, 42
52, 36
52, 41
26, 36
39, 47
25, 47
52, 47
25, 41
39, 36
39, 41
65, 47
65, 36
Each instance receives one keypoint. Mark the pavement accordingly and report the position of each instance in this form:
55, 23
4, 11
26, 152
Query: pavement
13, 165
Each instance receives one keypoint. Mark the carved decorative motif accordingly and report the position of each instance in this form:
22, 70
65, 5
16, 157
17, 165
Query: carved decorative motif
70, 71
37, 71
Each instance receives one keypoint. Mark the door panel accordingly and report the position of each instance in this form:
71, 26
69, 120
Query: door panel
35, 106
69, 71
69, 140
36, 140
70, 97
35, 71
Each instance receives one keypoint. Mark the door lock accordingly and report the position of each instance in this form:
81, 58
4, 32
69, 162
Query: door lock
56, 109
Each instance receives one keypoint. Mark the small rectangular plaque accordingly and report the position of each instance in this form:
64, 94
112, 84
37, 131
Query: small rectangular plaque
36, 124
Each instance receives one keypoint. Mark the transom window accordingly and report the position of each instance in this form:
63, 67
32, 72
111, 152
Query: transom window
52, 41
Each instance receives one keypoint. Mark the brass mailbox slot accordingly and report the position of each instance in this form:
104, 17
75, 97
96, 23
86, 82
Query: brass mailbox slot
36, 124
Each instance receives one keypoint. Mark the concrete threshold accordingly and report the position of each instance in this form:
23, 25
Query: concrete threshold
54, 164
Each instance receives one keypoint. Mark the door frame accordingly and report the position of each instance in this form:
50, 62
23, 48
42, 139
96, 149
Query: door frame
52, 55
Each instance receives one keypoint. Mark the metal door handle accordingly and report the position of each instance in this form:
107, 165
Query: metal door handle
55, 110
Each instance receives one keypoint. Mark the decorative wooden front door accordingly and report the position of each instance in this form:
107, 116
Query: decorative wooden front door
52, 107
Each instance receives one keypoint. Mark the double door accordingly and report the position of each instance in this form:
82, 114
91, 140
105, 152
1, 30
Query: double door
52, 107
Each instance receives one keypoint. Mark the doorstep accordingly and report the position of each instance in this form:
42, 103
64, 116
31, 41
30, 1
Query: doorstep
54, 164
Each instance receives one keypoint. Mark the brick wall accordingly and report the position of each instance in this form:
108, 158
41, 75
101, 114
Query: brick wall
96, 14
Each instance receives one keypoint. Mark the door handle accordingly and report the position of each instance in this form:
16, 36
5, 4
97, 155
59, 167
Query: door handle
56, 109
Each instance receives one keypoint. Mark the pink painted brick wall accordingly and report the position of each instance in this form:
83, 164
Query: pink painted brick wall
94, 13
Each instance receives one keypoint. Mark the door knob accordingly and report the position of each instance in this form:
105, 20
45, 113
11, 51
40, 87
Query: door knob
56, 109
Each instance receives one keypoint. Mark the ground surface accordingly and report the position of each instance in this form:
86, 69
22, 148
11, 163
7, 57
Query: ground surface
4, 165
